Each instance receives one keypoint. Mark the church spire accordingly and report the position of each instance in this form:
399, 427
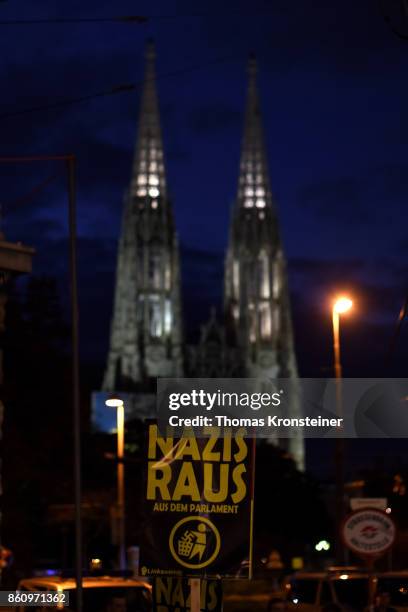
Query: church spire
256, 288
254, 187
148, 174
146, 332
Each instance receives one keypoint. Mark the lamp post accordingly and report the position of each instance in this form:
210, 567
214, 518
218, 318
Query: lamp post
341, 305
115, 402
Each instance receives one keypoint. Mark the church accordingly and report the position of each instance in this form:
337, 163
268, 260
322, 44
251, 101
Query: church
254, 338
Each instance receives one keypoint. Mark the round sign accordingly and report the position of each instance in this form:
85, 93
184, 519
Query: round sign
368, 532
194, 542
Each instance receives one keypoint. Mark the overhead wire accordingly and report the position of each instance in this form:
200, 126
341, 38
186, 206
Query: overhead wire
115, 90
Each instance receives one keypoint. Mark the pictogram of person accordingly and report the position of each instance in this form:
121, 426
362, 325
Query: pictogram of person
200, 543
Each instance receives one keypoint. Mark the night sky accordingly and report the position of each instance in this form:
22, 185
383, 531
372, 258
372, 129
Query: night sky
334, 96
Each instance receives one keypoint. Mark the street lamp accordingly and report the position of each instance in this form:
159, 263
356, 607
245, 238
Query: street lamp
341, 305
322, 545
116, 402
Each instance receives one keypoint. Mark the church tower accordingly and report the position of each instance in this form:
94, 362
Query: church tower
146, 329
256, 291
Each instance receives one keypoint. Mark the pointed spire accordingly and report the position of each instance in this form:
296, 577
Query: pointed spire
148, 175
254, 187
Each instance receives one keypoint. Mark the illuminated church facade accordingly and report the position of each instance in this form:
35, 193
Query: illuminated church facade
255, 338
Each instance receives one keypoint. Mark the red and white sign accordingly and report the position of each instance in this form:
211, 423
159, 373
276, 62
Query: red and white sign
369, 533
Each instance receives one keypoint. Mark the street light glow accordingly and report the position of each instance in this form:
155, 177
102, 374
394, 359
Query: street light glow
322, 545
342, 305
114, 402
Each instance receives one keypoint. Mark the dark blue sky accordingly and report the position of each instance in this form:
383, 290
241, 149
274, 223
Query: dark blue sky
334, 98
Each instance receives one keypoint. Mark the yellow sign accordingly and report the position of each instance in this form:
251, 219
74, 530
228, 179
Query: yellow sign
297, 563
172, 476
199, 503
173, 595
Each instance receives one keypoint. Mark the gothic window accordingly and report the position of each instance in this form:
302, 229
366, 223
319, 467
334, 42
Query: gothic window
265, 320
249, 279
264, 284
235, 279
252, 323
167, 276
155, 271
167, 317
155, 320
153, 192
276, 318
277, 279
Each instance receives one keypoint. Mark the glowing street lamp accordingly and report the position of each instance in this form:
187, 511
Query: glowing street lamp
341, 306
322, 545
116, 402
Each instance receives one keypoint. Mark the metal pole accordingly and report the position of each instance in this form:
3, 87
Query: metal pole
339, 442
75, 378
336, 344
195, 595
121, 484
